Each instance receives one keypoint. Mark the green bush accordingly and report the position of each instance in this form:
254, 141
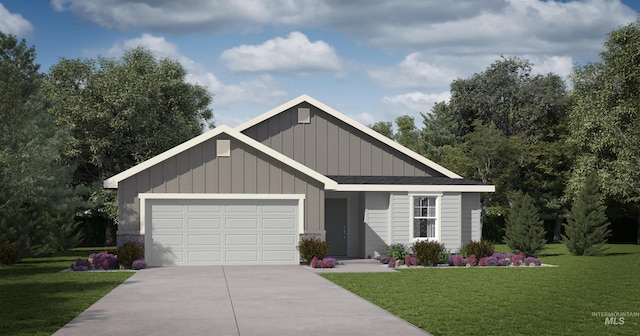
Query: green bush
481, 249
130, 252
9, 253
428, 252
397, 251
312, 247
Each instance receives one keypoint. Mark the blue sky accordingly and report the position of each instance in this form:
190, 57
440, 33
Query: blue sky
372, 60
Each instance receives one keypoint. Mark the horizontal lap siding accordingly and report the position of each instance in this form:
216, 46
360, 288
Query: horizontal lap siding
400, 218
197, 170
376, 219
332, 147
450, 220
471, 208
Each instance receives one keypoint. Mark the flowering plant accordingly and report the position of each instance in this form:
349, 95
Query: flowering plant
139, 264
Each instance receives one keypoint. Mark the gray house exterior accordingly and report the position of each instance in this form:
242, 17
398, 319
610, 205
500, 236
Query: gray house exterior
247, 195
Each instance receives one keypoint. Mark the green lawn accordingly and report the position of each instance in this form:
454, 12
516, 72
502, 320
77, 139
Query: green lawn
512, 301
36, 299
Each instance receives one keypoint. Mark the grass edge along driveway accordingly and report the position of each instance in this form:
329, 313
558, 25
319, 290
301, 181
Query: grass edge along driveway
36, 299
512, 301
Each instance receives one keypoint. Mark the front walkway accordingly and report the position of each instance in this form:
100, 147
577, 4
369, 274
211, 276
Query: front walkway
234, 300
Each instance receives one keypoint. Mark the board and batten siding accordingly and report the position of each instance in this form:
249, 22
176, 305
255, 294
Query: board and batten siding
471, 212
198, 170
401, 220
376, 223
450, 221
333, 147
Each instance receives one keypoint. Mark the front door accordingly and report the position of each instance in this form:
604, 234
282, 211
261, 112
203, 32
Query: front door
335, 224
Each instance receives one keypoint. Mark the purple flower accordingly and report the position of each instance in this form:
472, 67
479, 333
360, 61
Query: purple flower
139, 264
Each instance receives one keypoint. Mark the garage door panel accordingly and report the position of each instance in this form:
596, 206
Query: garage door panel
278, 240
278, 256
241, 239
241, 208
278, 223
197, 239
241, 256
168, 208
208, 208
222, 231
204, 223
168, 224
204, 257
284, 209
241, 223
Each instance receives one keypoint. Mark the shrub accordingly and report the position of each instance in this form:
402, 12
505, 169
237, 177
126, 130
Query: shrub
384, 259
472, 261
392, 262
130, 252
9, 253
323, 263
139, 264
531, 260
103, 260
480, 249
397, 251
428, 252
81, 265
312, 247
587, 227
525, 230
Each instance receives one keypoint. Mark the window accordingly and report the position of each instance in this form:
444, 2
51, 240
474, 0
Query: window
424, 216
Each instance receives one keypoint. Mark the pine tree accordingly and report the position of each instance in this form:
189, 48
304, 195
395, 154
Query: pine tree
587, 227
524, 231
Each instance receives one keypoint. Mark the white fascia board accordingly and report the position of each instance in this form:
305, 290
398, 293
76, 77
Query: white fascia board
145, 196
416, 188
112, 182
351, 122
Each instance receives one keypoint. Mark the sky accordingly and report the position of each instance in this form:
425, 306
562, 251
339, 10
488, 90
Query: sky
373, 60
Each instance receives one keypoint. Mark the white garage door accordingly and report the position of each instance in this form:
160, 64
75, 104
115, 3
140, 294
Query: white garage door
221, 232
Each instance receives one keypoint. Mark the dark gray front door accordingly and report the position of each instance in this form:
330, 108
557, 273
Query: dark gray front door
335, 223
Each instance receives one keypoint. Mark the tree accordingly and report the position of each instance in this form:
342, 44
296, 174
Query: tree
510, 96
587, 227
605, 120
524, 231
440, 132
408, 134
37, 203
384, 127
121, 112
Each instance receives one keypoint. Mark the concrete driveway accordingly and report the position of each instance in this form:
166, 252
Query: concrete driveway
233, 300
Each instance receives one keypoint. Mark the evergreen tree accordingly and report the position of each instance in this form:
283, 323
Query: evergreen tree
587, 227
524, 231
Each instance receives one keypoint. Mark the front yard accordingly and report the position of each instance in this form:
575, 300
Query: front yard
512, 301
36, 299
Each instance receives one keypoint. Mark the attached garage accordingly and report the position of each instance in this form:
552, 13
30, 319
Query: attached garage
229, 229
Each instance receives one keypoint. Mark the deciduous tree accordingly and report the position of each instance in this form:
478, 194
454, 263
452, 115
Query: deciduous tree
122, 112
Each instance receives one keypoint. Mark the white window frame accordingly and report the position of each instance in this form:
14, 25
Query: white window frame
438, 218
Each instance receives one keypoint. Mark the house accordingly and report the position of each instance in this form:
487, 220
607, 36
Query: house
247, 195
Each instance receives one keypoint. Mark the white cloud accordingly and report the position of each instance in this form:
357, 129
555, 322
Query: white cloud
560, 65
414, 103
412, 73
364, 118
261, 89
293, 54
14, 24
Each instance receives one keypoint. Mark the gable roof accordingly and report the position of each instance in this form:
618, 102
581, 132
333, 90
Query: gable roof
112, 182
353, 123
